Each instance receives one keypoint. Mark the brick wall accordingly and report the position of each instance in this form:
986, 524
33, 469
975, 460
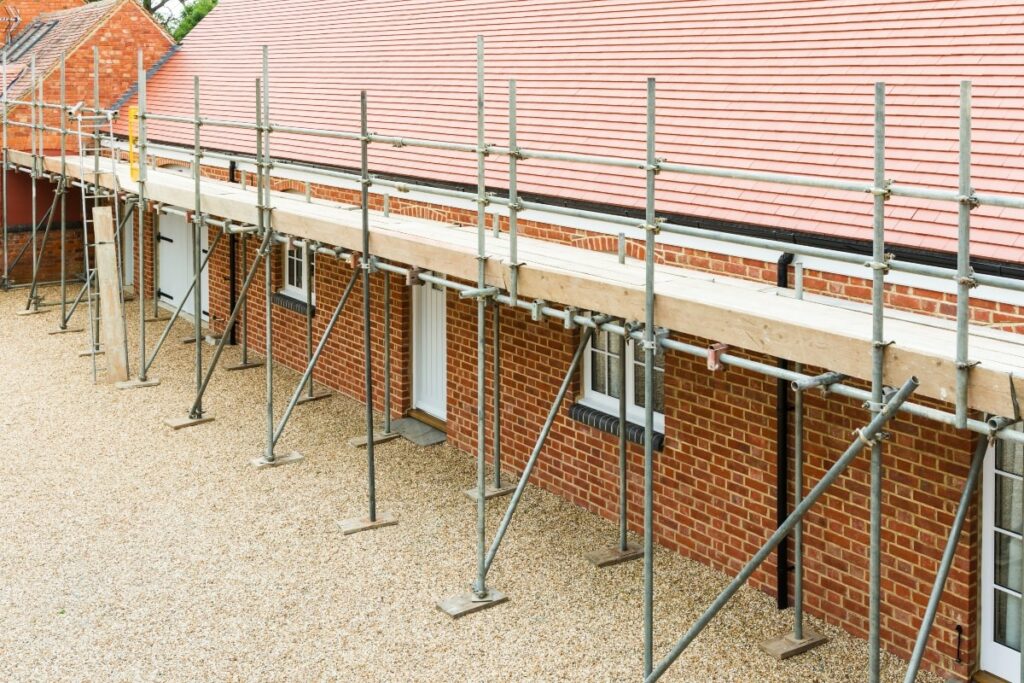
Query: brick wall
715, 480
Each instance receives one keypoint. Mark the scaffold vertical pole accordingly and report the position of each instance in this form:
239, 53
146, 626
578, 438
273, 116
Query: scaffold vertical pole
387, 354
650, 346
374, 519
63, 326
198, 226
3, 134
481, 323
513, 194
622, 550
143, 172
143, 379
879, 266
964, 271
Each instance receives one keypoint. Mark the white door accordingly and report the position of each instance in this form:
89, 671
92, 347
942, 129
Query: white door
1002, 516
176, 266
429, 351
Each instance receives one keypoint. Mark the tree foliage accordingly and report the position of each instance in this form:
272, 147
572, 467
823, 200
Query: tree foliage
193, 14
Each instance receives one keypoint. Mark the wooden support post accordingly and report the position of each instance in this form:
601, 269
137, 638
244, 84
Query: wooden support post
111, 308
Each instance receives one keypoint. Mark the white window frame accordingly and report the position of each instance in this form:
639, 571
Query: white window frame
288, 289
607, 403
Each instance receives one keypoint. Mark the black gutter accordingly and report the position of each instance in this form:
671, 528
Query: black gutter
782, 457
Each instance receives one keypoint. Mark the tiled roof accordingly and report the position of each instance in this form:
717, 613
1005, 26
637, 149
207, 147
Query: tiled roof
71, 27
783, 86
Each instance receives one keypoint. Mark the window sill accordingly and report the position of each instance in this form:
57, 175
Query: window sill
592, 417
291, 303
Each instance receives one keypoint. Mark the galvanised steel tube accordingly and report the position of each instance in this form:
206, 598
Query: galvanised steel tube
864, 436
35, 173
307, 255
244, 300
314, 357
3, 190
265, 224
798, 531
480, 586
146, 365
649, 346
970, 485
198, 226
364, 193
878, 267
63, 197
142, 215
623, 464
387, 353
513, 193
964, 281
496, 392
585, 338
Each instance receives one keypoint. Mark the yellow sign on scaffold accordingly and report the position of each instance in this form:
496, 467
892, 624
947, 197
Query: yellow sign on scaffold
133, 149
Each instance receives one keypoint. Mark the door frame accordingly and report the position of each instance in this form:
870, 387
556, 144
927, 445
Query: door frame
442, 320
994, 658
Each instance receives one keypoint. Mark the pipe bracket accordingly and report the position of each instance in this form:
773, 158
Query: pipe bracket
412, 277
715, 352
570, 317
537, 309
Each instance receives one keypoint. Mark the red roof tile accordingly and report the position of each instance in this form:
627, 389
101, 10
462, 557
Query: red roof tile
783, 86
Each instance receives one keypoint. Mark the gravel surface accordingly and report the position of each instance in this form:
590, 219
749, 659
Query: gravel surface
132, 552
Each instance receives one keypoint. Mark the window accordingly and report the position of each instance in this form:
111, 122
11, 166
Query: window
602, 384
297, 272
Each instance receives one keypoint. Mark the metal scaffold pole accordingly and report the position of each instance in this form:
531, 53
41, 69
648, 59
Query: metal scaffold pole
143, 379
63, 326
5, 283
373, 519
244, 362
623, 550
650, 347
879, 266
965, 280
480, 587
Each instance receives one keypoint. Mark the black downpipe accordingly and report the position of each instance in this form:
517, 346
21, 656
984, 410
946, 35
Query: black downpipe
232, 260
782, 456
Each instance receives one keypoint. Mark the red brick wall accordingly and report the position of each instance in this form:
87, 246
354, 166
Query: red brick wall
715, 480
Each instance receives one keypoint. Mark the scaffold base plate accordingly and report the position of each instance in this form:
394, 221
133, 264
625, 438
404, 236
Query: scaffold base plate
357, 524
34, 311
137, 384
261, 463
468, 603
788, 646
378, 437
244, 366
490, 491
69, 330
87, 352
608, 557
177, 423
317, 396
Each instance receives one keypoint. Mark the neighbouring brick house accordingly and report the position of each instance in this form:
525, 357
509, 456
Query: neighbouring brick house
44, 30
777, 85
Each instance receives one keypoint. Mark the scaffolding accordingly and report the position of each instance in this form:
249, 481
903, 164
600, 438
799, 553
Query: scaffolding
882, 402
